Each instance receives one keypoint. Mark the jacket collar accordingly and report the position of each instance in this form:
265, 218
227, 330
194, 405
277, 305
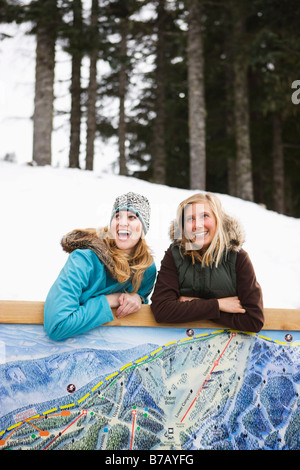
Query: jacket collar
92, 239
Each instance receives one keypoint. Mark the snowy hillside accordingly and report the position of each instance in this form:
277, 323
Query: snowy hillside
39, 205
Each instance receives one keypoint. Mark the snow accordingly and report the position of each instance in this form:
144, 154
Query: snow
38, 205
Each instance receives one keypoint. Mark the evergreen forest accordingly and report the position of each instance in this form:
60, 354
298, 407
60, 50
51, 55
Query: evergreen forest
206, 92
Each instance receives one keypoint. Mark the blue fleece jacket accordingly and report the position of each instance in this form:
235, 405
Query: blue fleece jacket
77, 300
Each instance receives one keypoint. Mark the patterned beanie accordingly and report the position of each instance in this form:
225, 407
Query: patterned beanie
135, 203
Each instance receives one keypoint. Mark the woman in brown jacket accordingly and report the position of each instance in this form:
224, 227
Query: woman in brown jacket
205, 274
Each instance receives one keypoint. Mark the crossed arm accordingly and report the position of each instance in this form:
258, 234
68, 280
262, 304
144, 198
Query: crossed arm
227, 304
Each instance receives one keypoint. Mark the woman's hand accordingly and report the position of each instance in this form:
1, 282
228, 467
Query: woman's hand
128, 303
231, 305
113, 300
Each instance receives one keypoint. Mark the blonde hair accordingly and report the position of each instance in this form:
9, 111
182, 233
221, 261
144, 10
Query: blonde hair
220, 241
127, 266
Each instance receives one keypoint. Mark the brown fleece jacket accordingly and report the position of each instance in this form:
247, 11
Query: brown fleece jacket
168, 309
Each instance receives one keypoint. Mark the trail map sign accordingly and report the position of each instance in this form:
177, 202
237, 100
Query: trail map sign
137, 388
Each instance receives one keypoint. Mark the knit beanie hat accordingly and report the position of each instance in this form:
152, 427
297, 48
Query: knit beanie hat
135, 203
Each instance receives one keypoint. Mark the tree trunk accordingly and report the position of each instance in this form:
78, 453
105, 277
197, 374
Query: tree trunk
159, 153
75, 119
122, 96
196, 98
229, 119
241, 109
278, 166
92, 95
243, 161
44, 95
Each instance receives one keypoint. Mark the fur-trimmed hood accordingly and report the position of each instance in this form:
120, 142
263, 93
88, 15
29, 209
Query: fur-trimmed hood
92, 239
232, 227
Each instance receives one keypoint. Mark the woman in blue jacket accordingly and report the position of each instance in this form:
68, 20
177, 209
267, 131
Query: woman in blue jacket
107, 268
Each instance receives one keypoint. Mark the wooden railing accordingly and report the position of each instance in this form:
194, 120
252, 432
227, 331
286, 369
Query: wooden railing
32, 312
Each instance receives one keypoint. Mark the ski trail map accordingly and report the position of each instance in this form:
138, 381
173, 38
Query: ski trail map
135, 388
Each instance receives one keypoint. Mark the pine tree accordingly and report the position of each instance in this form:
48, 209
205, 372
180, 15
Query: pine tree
76, 50
119, 54
275, 63
123, 29
241, 103
196, 97
45, 15
159, 131
92, 88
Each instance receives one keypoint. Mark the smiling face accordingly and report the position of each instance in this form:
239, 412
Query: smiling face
199, 224
126, 229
